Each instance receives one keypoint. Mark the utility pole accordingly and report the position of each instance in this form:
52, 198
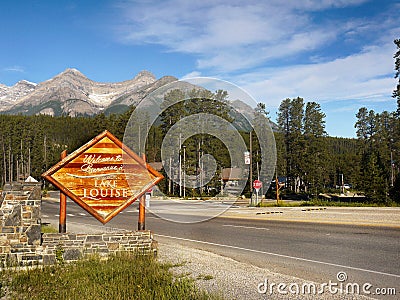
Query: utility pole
392, 168
199, 169
18, 174
277, 186
184, 172
180, 165
9, 164
170, 175
222, 182
29, 161
251, 163
22, 163
342, 183
4, 162
45, 151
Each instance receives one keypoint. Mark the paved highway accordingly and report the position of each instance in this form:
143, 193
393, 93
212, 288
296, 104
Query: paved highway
310, 251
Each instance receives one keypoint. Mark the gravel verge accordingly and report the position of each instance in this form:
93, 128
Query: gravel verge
224, 276
232, 279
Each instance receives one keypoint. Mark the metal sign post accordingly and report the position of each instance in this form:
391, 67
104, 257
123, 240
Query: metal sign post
257, 184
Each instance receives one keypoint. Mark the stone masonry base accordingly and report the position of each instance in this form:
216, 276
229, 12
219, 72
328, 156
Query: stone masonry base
23, 244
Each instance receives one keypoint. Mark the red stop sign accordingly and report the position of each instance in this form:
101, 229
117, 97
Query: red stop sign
257, 184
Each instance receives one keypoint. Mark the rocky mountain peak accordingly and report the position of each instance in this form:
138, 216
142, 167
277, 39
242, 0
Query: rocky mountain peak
72, 93
9, 95
26, 84
145, 73
71, 73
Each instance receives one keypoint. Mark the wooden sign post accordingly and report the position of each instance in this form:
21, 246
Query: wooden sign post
103, 177
62, 224
142, 208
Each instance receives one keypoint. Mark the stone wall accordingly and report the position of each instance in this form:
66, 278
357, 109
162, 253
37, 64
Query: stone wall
71, 247
20, 225
23, 244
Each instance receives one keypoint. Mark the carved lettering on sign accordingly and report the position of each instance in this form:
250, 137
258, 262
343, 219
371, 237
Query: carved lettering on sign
103, 176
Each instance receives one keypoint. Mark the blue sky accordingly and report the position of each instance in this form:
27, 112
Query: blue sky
337, 53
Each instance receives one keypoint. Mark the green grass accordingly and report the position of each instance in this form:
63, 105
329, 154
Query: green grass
125, 276
47, 228
204, 277
318, 202
281, 203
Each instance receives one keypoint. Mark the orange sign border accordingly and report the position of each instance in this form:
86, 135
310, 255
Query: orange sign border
48, 175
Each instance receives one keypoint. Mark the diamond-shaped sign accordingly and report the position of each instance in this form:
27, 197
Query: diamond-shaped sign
103, 176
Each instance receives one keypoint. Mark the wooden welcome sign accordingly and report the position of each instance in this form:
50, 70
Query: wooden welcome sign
103, 176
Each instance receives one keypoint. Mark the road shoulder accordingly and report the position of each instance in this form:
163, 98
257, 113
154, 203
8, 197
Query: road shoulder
233, 279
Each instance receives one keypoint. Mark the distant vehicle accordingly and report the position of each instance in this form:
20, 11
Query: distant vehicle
347, 186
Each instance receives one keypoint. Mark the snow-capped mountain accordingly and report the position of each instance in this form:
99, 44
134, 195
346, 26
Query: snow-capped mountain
72, 93
10, 95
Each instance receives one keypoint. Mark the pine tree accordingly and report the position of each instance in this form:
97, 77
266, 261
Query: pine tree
374, 132
396, 92
290, 120
315, 154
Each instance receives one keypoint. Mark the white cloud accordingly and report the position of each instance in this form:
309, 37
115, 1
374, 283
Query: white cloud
247, 34
232, 35
191, 75
254, 44
17, 69
363, 76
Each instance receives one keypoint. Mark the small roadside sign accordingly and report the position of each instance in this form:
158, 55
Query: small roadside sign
257, 184
247, 158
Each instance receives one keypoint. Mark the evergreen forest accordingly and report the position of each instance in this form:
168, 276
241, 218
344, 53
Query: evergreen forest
311, 162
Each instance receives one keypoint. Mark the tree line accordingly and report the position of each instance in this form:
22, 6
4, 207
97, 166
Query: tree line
311, 161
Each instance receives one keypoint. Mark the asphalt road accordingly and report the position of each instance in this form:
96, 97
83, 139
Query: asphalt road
315, 252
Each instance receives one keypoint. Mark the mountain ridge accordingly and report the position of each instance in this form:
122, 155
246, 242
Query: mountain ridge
72, 93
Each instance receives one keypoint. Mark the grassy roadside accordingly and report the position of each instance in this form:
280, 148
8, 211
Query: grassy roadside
125, 276
317, 202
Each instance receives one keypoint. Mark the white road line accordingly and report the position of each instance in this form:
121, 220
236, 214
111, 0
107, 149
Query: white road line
279, 255
246, 227
70, 215
82, 214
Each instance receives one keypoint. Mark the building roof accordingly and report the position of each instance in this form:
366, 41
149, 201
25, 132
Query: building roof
233, 174
30, 179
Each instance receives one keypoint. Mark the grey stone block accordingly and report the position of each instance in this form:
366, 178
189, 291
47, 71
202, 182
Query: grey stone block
32, 257
49, 259
94, 238
34, 235
8, 229
72, 254
14, 219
